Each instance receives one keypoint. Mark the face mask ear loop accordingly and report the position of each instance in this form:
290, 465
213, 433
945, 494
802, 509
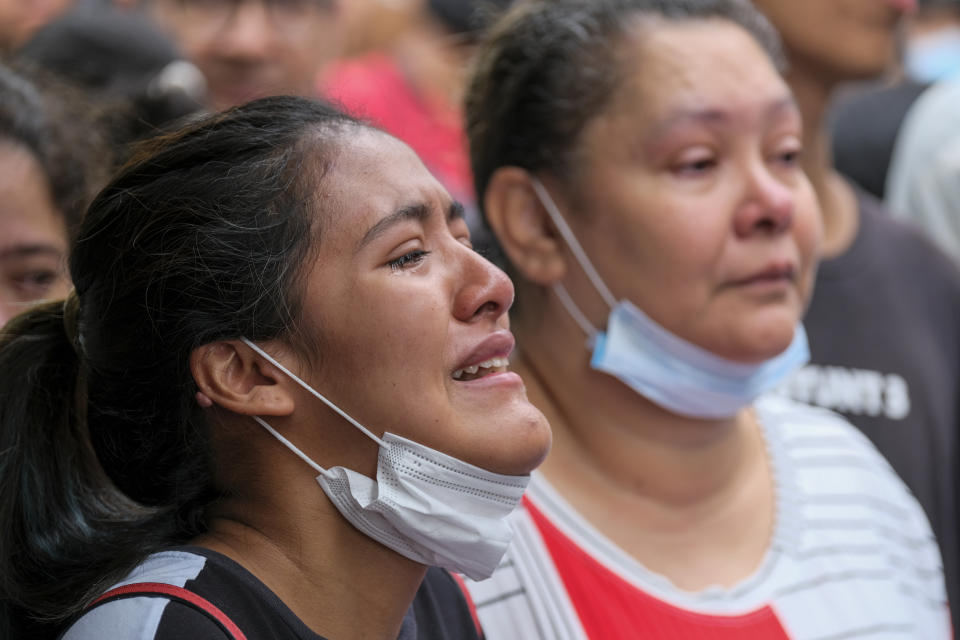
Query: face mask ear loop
303, 384
575, 313
291, 446
571, 241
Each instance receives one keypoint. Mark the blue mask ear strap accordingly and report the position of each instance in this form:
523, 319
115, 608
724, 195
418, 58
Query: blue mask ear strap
571, 241
575, 313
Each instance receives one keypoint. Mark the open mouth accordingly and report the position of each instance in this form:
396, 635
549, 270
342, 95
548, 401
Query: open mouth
481, 369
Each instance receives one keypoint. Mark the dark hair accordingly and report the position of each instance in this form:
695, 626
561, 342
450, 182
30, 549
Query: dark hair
105, 456
58, 126
549, 66
468, 17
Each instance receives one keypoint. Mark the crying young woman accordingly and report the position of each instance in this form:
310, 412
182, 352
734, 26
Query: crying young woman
276, 405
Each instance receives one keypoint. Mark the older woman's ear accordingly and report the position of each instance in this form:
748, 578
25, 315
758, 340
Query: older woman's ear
230, 375
523, 227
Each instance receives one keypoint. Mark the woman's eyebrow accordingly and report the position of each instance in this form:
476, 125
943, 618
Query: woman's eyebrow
709, 116
29, 250
418, 212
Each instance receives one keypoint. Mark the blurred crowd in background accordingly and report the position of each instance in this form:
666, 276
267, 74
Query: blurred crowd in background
143, 65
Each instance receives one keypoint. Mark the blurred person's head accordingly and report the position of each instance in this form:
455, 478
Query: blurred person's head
839, 40
19, 19
466, 17
123, 61
664, 136
252, 48
51, 162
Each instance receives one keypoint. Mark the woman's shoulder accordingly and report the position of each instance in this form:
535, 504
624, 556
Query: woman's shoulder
215, 579
841, 482
843, 511
800, 427
830, 463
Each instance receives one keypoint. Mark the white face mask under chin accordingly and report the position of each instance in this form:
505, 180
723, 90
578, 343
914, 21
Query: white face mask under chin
426, 505
664, 368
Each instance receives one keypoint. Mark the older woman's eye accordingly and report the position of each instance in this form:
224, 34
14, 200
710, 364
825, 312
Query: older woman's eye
790, 157
694, 161
407, 260
695, 167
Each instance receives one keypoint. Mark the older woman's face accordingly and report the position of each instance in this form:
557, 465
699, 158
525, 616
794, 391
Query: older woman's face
33, 235
689, 193
405, 311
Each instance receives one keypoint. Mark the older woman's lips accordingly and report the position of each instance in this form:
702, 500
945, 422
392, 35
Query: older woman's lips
771, 276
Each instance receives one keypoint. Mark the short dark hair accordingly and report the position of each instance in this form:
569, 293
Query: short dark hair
549, 66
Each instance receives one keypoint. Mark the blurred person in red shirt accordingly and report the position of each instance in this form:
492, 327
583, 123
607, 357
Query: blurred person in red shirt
413, 89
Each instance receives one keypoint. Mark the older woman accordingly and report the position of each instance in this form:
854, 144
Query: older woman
278, 395
638, 161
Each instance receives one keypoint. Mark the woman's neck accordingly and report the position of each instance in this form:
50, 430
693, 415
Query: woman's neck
338, 581
688, 498
607, 434
838, 205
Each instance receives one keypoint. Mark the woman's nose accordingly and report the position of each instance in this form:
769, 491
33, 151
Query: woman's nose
768, 205
485, 291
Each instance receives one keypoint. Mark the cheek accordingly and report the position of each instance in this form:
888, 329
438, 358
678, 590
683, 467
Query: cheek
389, 336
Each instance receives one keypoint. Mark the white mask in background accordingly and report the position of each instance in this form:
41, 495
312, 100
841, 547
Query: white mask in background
425, 505
662, 367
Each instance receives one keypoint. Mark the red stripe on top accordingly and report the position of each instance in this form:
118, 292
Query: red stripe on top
610, 608
178, 593
470, 604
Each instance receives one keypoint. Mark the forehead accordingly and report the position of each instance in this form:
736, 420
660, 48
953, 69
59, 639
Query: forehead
694, 64
372, 175
27, 211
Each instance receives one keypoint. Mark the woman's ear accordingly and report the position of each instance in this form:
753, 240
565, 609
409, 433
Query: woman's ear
523, 227
230, 375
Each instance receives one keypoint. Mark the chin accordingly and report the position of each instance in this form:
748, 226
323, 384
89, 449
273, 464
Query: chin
523, 442
760, 341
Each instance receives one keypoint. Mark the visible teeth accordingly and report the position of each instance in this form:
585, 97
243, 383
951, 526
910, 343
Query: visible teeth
492, 363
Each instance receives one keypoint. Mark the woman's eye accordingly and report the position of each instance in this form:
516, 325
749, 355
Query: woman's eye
790, 157
34, 284
696, 166
408, 260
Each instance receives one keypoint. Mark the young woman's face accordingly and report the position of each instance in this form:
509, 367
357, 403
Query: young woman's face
689, 196
33, 235
405, 309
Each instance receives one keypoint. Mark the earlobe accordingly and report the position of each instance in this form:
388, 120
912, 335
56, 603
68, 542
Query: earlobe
523, 227
231, 376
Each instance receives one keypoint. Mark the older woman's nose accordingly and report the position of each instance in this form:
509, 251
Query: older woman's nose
768, 204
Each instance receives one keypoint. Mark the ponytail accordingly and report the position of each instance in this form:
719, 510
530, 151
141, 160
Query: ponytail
105, 456
63, 522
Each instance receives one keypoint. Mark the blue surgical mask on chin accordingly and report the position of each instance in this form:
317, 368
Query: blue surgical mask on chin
671, 372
